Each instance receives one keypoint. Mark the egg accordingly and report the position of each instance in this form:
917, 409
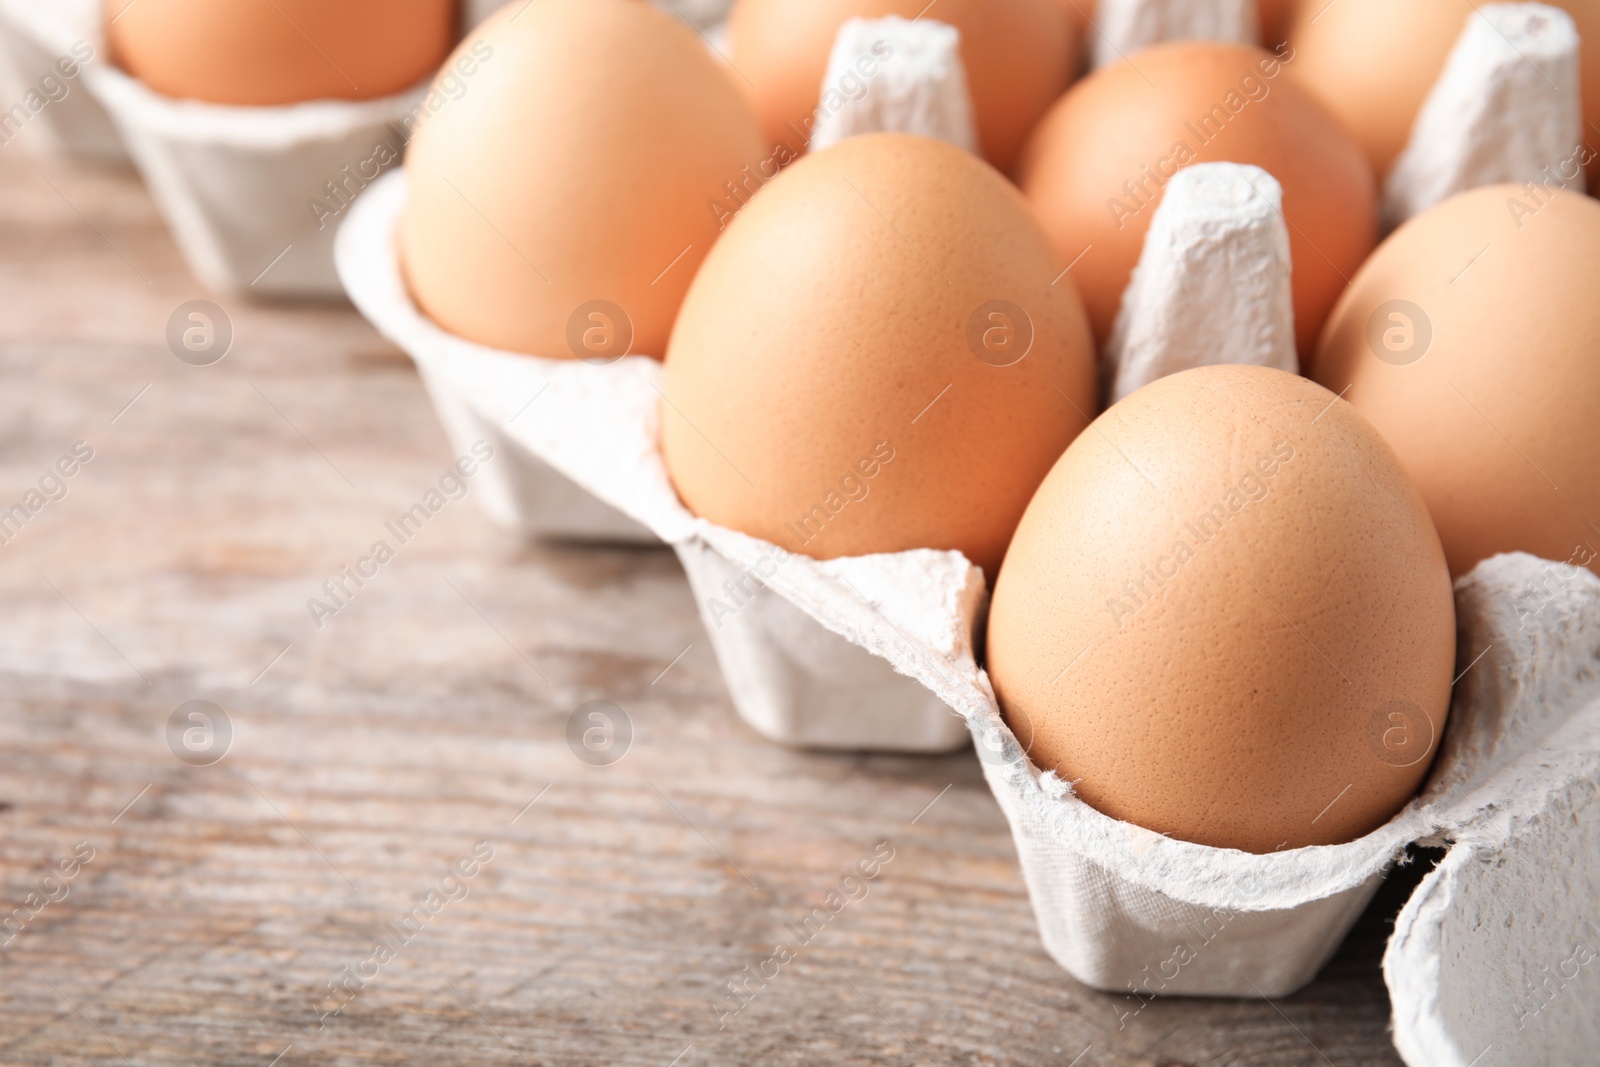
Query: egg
1226, 616
560, 204
270, 52
881, 354
1470, 339
1095, 168
1019, 56
1373, 62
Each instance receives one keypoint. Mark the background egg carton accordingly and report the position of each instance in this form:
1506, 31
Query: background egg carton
34, 36
235, 185
1479, 965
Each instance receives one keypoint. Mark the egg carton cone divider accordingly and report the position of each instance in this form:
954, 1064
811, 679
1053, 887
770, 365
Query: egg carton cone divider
918, 82
1506, 108
799, 641
34, 36
1120, 28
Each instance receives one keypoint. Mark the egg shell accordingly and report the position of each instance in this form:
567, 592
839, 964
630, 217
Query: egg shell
1214, 605
1095, 167
562, 201
1019, 56
1470, 340
881, 354
271, 52
1373, 62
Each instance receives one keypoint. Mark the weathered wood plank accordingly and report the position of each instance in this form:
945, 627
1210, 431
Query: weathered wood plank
374, 752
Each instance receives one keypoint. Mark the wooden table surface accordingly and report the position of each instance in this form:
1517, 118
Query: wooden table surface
430, 716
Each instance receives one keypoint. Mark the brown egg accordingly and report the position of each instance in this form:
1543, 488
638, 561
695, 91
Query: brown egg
1019, 55
1373, 62
877, 356
1095, 168
562, 203
1470, 340
1226, 617
1080, 15
271, 52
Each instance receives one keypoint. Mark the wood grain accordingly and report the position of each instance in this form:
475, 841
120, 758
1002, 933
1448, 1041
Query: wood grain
375, 751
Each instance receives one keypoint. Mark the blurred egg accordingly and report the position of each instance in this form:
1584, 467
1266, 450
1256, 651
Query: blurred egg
1019, 56
875, 358
1373, 62
1470, 339
272, 52
1095, 168
562, 200
1226, 617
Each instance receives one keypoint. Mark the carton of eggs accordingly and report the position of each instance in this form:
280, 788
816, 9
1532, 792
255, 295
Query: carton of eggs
1511, 781
255, 124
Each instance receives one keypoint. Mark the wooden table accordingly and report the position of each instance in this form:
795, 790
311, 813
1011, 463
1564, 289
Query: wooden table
430, 715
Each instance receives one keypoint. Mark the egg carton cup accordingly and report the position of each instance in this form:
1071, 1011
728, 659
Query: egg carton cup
236, 185
1513, 796
34, 36
597, 427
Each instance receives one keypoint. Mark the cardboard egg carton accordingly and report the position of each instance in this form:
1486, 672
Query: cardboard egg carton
40, 40
808, 648
1512, 796
252, 195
